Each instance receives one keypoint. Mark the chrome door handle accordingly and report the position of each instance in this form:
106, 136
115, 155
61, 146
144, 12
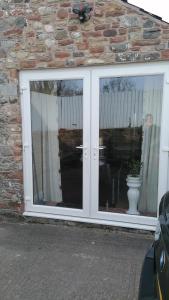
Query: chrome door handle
99, 148
102, 147
96, 151
80, 147
85, 152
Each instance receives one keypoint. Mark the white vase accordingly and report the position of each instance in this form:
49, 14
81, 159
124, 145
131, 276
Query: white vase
133, 193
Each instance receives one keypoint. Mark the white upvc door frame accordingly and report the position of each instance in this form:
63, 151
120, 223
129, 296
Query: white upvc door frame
91, 78
121, 71
37, 75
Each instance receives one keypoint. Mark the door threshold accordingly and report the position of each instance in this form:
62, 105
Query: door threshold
90, 220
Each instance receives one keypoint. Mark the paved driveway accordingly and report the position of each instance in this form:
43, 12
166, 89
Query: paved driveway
58, 262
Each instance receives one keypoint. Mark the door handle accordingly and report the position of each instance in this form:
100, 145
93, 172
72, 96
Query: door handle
99, 148
80, 147
96, 151
102, 147
85, 152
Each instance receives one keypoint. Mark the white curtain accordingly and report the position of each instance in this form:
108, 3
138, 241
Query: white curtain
46, 161
152, 105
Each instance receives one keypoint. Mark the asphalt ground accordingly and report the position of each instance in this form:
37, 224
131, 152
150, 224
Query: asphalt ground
60, 262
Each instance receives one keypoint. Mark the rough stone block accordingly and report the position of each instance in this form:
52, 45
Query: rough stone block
115, 13
98, 12
148, 24
27, 64
13, 32
76, 35
73, 28
165, 54
61, 34
151, 33
109, 32
128, 57
7, 23
122, 31
97, 49
62, 54
101, 27
7, 43
83, 46
6, 151
62, 13
66, 42
21, 22
151, 56
8, 89
146, 42
160, 47
119, 47
3, 78
130, 21
78, 54
118, 39
43, 10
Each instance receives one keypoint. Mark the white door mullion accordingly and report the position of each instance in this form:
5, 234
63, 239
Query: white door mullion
86, 144
94, 144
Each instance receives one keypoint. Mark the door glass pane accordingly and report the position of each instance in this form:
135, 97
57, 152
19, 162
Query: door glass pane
57, 133
129, 138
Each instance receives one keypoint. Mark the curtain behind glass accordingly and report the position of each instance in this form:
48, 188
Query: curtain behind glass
152, 104
45, 148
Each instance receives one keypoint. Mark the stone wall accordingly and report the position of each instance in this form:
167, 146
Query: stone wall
46, 34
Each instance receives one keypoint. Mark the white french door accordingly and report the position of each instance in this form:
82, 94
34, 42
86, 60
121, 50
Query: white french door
56, 141
81, 130
129, 126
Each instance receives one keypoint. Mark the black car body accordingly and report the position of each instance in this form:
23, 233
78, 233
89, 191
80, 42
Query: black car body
154, 281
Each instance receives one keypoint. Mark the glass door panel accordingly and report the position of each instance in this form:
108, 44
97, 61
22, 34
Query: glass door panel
57, 139
129, 141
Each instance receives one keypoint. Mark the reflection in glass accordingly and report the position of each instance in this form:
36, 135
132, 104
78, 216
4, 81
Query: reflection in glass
57, 118
130, 118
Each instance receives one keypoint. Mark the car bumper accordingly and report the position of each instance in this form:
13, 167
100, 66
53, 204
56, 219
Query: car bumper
147, 289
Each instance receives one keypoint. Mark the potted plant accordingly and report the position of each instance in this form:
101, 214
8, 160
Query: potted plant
134, 183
